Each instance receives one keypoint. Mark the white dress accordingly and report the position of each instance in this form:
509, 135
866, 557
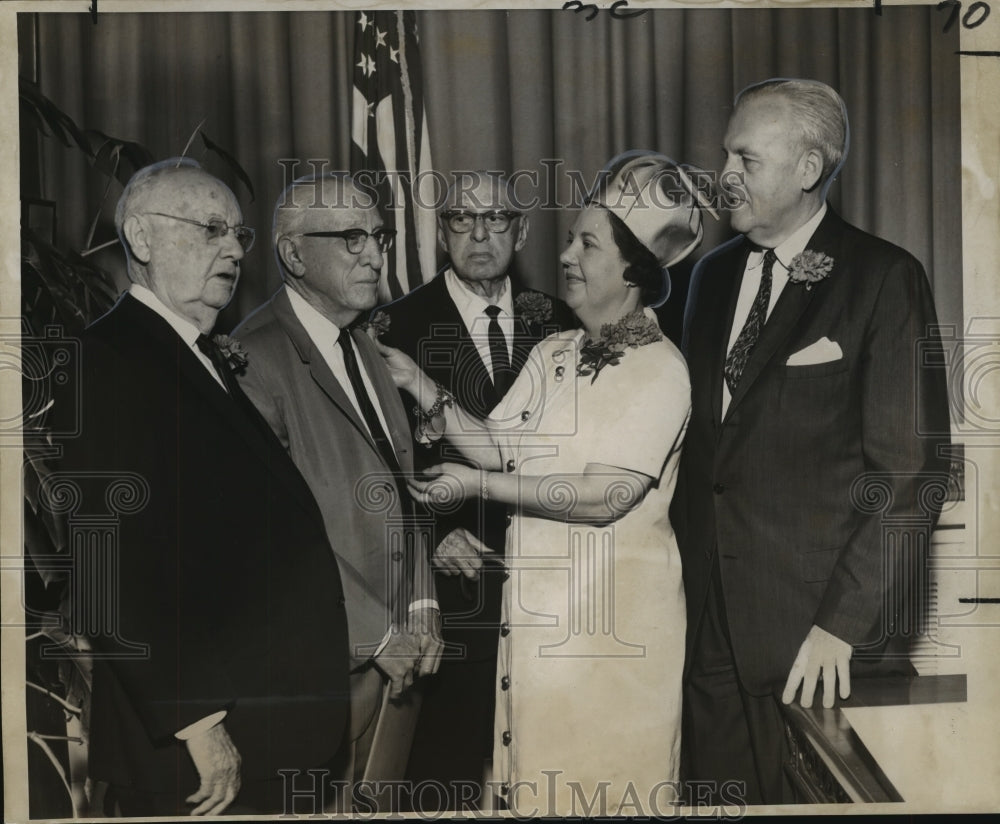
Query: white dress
591, 651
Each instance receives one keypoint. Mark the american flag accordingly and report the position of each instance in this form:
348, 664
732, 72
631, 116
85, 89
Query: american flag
391, 147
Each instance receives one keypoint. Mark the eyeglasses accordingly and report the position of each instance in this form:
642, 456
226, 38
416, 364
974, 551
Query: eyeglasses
461, 222
357, 238
217, 229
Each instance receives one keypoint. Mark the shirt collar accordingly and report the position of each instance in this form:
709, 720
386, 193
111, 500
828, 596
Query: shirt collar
182, 326
794, 244
469, 304
322, 331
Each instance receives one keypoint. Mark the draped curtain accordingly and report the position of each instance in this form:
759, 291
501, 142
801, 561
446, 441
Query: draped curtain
507, 91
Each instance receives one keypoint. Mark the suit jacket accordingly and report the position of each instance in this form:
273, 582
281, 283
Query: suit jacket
291, 384
427, 326
225, 572
790, 487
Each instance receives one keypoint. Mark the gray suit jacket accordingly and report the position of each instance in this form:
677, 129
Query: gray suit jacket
289, 381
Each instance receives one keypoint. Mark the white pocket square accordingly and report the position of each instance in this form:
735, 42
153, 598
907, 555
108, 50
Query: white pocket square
822, 351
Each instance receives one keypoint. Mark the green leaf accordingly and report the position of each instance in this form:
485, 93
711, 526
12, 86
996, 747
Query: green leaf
230, 161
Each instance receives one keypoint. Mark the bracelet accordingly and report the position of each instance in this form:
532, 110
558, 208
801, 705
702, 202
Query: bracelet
425, 432
484, 490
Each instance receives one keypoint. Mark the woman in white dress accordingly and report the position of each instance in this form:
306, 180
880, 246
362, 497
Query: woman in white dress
584, 448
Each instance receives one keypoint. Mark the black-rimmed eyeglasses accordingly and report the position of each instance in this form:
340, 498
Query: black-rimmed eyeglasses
217, 229
461, 221
357, 238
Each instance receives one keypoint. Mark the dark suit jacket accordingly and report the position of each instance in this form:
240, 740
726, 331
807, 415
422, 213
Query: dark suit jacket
789, 486
427, 326
291, 384
225, 572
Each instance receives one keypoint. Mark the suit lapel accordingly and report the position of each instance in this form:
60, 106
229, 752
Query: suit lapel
794, 301
241, 418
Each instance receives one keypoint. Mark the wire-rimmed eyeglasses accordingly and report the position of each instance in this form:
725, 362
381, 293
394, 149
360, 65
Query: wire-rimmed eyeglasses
217, 229
462, 221
357, 238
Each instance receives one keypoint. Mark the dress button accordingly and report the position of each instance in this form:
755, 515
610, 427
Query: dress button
505, 683
504, 789
510, 465
718, 489
525, 415
506, 738
505, 629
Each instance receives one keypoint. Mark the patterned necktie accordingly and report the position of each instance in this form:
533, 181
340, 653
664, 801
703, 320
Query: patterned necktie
365, 402
502, 376
739, 355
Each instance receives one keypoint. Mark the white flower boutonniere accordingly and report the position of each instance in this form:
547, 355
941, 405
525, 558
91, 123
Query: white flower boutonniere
810, 267
377, 326
234, 353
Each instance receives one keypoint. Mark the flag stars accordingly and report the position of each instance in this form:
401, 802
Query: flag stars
380, 37
367, 65
364, 22
393, 54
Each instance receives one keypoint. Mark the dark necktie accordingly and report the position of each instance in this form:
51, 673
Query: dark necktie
502, 376
739, 355
365, 402
211, 351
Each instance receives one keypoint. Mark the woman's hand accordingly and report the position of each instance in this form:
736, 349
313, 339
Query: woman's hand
404, 371
444, 486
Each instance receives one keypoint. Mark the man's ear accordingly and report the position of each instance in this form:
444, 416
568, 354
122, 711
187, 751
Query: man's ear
522, 232
137, 237
288, 254
812, 169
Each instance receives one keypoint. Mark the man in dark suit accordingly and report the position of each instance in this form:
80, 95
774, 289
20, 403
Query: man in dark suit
222, 562
471, 329
807, 392
323, 388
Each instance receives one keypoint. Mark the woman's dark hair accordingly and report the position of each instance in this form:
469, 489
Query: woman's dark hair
643, 269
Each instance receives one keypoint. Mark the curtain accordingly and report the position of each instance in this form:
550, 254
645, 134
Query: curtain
532, 90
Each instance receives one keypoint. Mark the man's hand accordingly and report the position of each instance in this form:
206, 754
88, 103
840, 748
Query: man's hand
425, 626
460, 553
398, 661
218, 764
821, 653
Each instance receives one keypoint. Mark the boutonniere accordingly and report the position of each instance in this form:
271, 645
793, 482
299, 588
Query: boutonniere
234, 353
377, 326
810, 267
534, 307
630, 332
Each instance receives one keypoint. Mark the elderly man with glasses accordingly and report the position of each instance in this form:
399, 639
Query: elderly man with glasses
318, 380
470, 328
220, 656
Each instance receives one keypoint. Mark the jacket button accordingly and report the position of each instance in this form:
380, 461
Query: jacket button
397, 555
510, 465
504, 789
505, 629
525, 415
506, 738
505, 683
718, 489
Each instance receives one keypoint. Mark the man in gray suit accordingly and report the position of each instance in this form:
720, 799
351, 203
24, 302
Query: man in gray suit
324, 390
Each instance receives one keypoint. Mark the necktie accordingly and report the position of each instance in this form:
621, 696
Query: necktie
502, 376
211, 351
365, 402
739, 355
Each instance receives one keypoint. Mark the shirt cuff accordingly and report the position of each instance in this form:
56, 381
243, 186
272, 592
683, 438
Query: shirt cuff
198, 727
424, 603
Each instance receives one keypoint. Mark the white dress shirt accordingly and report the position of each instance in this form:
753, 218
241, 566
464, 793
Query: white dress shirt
793, 245
472, 308
182, 326
324, 334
